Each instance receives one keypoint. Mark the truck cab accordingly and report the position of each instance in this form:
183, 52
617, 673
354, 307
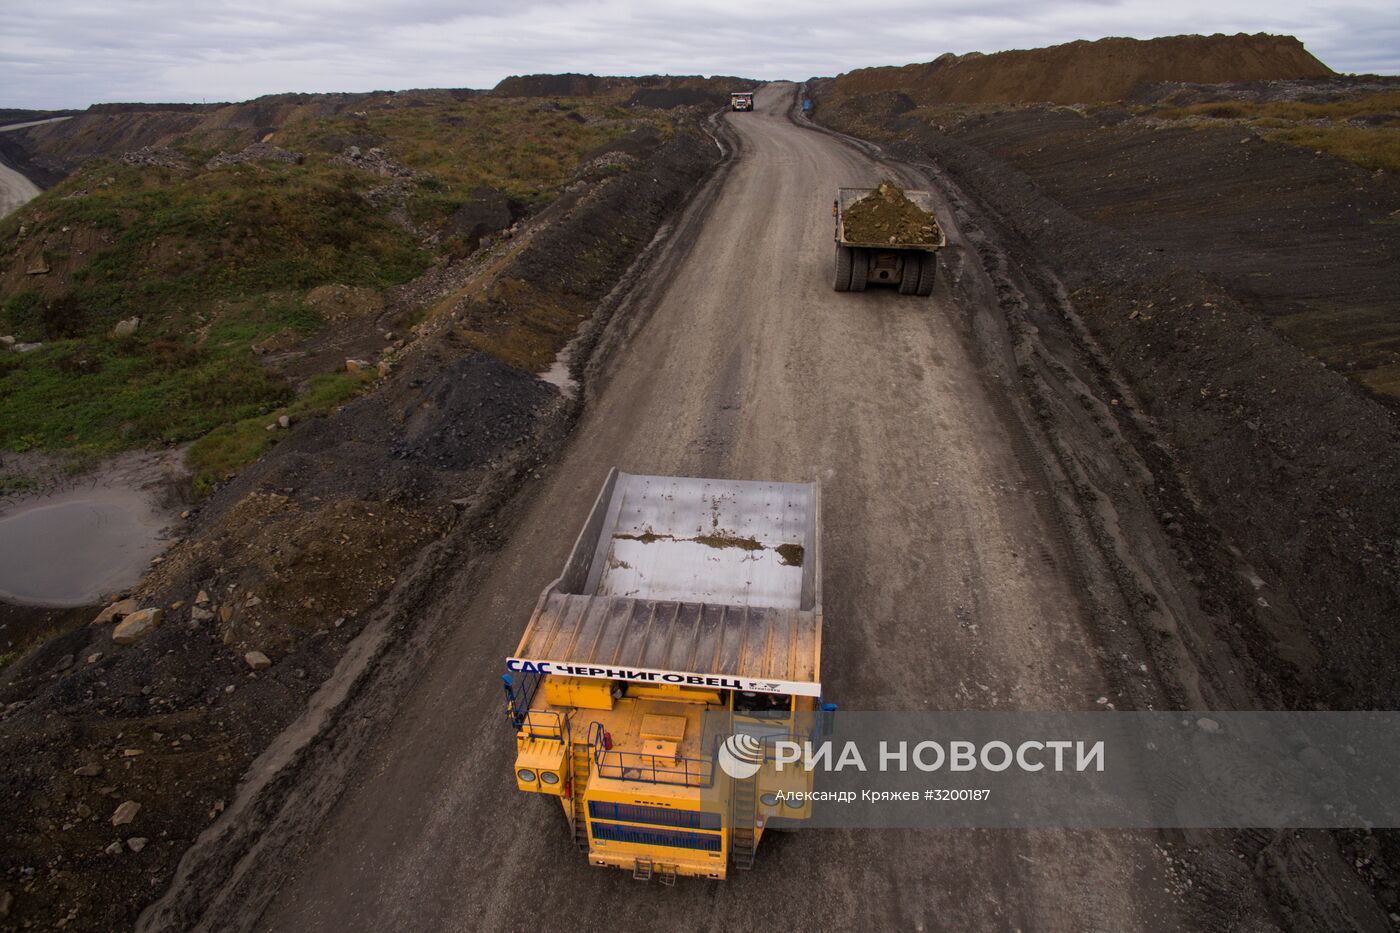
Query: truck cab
741, 100
681, 641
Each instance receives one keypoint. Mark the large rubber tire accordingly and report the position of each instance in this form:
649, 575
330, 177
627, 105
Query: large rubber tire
909, 280
843, 268
927, 271
860, 269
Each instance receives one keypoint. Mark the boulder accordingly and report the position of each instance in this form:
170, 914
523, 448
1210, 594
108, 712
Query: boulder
39, 266
257, 152
486, 211
127, 327
137, 843
125, 813
116, 611
136, 626
257, 660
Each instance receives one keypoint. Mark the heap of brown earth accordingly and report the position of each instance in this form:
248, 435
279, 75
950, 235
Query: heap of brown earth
886, 215
1084, 72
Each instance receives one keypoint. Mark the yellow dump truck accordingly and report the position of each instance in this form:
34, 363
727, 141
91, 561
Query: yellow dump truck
741, 101
908, 263
682, 640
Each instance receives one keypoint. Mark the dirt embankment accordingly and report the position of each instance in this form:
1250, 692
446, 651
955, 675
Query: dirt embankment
50, 151
351, 516
1276, 476
1086, 72
1177, 249
661, 91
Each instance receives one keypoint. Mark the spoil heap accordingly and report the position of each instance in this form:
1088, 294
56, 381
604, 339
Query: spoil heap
886, 215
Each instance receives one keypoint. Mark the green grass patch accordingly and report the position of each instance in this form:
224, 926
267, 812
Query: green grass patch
34, 641
507, 144
100, 396
217, 262
229, 448
1318, 126
1290, 110
1369, 147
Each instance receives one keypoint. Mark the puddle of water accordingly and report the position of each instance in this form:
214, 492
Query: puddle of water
76, 547
558, 375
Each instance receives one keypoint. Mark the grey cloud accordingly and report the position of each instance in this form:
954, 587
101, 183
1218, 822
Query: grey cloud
65, 53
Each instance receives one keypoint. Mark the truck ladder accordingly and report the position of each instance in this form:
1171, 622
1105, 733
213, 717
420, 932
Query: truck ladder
642, 870
743, 814
581, 757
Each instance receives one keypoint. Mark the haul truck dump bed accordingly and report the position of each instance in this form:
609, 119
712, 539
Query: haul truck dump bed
684, 603
909, 262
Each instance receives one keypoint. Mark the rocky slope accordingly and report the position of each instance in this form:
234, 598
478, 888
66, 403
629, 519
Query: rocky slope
116, 751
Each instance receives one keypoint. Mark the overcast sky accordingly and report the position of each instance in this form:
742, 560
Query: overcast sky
70, 53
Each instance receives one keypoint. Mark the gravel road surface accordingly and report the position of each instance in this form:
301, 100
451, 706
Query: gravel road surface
944, 584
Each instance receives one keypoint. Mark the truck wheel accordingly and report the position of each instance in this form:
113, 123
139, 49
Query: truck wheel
860, 269
927, 272
909, 280
843, 268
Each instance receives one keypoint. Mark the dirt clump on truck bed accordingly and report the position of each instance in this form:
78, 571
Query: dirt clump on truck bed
886, 215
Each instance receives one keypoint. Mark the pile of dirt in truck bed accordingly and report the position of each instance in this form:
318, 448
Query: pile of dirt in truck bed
1087, 72
886, 215
115, 757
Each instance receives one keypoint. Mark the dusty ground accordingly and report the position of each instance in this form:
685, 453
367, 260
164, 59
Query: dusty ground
993, 541
1275, 476
980, 463
1219, 272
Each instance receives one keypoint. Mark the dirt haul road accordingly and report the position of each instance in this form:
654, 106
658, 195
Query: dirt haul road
947, 585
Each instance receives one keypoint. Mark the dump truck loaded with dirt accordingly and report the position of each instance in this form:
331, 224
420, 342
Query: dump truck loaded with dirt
886, 236
687, 618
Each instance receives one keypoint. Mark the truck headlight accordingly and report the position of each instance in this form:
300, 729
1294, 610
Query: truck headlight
526, 775
769, 800
549, 777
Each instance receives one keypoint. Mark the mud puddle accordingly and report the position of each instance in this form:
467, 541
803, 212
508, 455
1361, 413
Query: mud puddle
87, 537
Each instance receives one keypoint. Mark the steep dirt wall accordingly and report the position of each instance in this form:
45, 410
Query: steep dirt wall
1085, 72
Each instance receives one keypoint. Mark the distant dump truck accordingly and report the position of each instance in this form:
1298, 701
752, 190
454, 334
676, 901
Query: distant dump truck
886, 236
741, 100
686, 604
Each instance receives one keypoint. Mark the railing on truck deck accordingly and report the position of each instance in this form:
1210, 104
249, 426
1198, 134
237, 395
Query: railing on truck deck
519, 695
644, 766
